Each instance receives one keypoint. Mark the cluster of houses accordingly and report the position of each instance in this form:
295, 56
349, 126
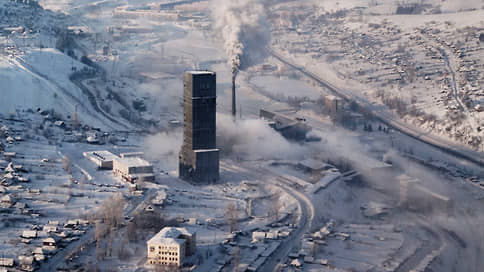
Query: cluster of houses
46, 240
10, 175
311, 242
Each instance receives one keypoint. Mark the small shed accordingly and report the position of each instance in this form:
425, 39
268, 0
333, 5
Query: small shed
7, 262
27, 263
53, 223
60, 124
71, 224
39, 254
258, 236
7, 200
50, 228
296, 263
29, 234
21, 206
9, 155
51, 241
39, 250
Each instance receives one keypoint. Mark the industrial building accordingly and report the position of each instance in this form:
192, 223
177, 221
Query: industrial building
133, 169
103, 159
291, 129
199, 156
416, 197
170, 246
313, 167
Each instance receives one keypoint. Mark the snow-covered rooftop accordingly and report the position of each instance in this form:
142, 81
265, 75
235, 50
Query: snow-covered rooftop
170, 235
133, 162
102, 155
201, 72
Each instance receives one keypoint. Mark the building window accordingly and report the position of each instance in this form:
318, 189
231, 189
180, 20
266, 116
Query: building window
152, 249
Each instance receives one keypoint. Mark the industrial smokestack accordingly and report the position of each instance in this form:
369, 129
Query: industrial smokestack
234, 110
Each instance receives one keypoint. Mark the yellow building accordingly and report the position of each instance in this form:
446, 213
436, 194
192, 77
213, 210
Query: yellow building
170, 246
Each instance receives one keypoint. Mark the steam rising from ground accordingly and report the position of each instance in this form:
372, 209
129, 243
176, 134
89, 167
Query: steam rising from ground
243, 26
254, 139
247, 139
165, 148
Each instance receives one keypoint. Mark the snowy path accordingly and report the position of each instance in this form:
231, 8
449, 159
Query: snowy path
433, 243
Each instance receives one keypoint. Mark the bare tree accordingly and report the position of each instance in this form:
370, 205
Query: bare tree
66, 164
75, 121
140, 183
232, 216
99, 235
275, 208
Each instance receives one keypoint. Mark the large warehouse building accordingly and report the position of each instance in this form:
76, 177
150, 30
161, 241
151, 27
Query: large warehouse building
199, 156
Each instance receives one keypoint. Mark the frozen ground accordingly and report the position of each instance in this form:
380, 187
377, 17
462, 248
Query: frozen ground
142, 85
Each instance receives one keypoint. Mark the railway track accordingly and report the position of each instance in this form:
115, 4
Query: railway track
385, 117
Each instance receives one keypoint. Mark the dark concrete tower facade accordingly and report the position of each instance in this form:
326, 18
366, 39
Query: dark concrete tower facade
199, 156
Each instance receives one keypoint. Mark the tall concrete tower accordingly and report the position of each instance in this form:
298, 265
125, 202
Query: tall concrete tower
199, 156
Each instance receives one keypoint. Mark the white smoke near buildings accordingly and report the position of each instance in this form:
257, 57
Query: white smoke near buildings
243, 26
247, 139
253, 140
165, 148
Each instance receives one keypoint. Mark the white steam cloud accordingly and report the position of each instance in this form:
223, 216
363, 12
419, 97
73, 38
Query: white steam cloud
242, 24
248, 139
165, 148
253, 140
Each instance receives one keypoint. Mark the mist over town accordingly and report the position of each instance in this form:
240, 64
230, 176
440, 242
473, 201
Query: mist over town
241, 135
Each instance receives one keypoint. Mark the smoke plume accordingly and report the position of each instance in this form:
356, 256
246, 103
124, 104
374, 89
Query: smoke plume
253, 140
164, 147
243, 26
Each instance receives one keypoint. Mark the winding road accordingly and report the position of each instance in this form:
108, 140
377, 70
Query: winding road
305, 220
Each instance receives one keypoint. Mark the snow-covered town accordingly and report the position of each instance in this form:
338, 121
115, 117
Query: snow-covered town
248, 135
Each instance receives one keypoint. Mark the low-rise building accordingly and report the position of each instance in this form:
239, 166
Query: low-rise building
27, 263
133, 169
7, 201
132, 155
170, 246
103, 159
51, 242
7, 262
